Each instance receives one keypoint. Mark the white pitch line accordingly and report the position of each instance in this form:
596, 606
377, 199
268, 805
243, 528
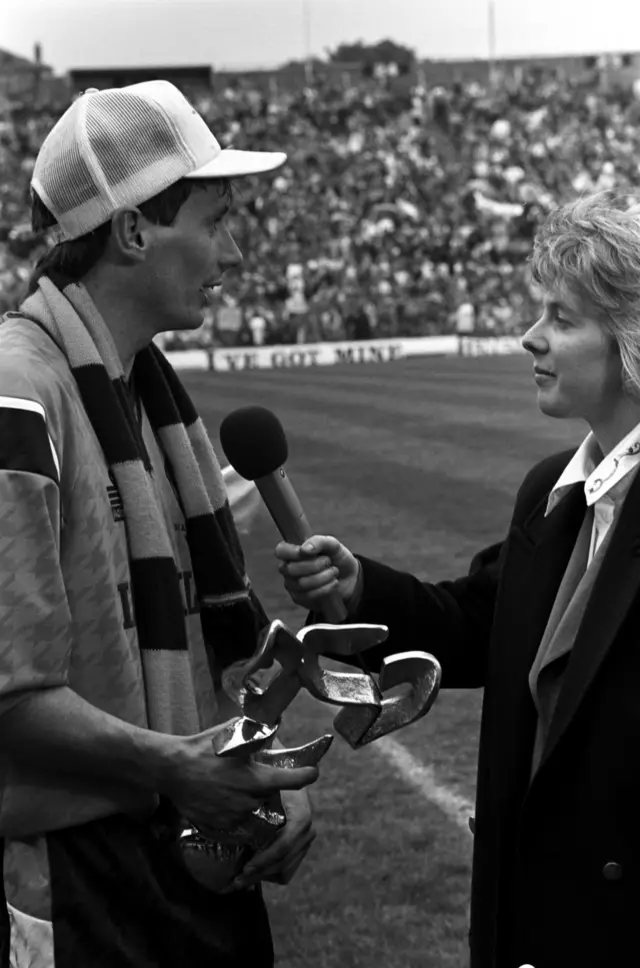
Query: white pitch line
423, 779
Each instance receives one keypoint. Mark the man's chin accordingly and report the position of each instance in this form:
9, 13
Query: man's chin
186, 324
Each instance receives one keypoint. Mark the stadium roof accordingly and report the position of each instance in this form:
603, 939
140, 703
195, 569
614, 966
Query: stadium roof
13, 62
154, 70
100, 77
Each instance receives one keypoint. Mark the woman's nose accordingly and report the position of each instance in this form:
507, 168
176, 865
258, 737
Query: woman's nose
534, 340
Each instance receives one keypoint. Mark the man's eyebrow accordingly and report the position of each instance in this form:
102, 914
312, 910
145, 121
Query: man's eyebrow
216, 216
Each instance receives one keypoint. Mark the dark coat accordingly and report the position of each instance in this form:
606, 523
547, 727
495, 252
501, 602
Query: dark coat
556, 865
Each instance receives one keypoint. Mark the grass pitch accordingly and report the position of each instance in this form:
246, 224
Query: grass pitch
417, 463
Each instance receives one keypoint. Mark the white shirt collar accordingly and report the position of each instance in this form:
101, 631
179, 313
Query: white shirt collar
599, 478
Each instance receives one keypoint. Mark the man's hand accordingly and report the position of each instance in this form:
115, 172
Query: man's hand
56, 731
315, 569
219, 792
279, 862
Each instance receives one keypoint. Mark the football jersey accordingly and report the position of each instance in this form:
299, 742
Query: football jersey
66, 612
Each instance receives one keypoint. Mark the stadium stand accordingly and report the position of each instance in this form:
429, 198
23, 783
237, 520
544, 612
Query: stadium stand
406, 209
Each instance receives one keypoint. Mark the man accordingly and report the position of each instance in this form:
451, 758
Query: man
258, 326
547, 622
122, 586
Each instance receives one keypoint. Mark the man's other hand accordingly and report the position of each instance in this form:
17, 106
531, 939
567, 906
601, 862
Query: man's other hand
279, 862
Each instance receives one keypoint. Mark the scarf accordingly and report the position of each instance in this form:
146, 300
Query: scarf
230, 613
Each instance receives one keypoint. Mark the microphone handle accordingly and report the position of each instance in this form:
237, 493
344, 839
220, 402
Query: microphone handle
285, 509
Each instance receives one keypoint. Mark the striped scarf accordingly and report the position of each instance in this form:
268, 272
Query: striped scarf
230, 612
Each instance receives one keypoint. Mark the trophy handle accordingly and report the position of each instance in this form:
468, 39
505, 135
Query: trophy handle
418, 670
344, 640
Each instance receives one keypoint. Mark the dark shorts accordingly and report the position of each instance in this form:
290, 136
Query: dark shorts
121, 899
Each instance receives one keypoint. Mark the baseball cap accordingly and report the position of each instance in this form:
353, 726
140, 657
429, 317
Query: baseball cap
122, 146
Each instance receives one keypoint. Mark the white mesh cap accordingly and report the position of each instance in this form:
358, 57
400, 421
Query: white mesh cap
124, 145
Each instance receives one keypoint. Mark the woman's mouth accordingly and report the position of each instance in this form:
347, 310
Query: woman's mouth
542, 376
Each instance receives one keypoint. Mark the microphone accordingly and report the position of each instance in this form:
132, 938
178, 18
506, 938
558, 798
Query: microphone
255, 445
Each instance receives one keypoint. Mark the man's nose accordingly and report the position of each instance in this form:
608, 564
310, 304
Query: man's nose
229, 256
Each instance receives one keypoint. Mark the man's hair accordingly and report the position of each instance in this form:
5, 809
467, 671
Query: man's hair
70, 261
591, 249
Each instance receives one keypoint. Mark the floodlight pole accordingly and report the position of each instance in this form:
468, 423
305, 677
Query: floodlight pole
306, 18
491, 32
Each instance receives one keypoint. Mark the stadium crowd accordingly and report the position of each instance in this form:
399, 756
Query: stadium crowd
404, 210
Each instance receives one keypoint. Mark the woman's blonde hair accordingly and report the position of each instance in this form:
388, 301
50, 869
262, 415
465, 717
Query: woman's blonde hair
591, 248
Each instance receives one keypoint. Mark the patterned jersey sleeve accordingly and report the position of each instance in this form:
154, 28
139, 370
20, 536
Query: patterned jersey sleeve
35, 624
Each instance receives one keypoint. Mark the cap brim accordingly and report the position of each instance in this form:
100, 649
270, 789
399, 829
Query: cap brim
233, 163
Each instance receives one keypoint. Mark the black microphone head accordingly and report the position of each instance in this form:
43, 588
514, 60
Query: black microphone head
253, 441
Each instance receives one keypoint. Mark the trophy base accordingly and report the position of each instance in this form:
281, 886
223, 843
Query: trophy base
215, 857
212, 864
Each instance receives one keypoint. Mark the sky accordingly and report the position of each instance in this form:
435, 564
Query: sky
264, 33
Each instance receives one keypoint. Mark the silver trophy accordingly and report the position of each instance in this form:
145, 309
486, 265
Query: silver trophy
214, 857
255, 444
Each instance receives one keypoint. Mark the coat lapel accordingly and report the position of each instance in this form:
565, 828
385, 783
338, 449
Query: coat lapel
615, 588
536, 559
555, 538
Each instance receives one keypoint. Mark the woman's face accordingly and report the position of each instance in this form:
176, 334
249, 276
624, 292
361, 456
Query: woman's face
577, 366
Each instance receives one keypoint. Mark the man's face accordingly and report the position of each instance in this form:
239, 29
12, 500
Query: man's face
186, 259
576, 363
